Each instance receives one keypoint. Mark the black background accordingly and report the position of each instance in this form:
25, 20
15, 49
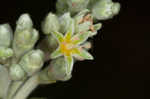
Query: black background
121, 69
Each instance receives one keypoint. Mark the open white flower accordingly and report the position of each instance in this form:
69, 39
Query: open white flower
70, 46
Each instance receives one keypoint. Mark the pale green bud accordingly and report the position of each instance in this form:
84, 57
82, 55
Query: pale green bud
5, 35
24, 22
25, 36
48, 45
16, 72
50, 24
57, 69
73, 6
5, 53
116, 8
24, 41
53, 44
77, 5
32, 61
44, 77
61, 6
105, 9
92, 2
65, 21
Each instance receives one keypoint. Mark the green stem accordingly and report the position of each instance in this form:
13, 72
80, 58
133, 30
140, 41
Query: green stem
13, 88
27, 88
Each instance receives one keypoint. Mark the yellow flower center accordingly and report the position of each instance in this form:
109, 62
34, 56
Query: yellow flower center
67, 48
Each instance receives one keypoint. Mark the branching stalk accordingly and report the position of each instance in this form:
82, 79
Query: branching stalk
27, 88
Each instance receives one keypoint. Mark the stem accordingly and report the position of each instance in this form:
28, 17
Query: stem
13, 89
27, 88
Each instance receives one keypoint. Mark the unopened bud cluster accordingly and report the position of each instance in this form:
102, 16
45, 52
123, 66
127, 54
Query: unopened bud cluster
101, 9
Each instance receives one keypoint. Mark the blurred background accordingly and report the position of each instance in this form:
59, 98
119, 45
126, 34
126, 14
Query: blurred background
121, 69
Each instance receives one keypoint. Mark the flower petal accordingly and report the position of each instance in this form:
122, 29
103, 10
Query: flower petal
81, 37
80, 15
70, 30
58, 36
83, 55
56, 53
87, 45
69, 60
84, 26
96, 28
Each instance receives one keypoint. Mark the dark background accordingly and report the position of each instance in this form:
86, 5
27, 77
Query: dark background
121, 69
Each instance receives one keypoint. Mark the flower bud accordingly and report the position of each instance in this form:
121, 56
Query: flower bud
32, 61
24, 41
77, 5
65, 21
5, 53
48, 45
52, 42
50, 24
57, 69
105, 9
92, 2
5, 35
16, 72
44, 77
24, 23
25, 36
61, 7
116, 8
